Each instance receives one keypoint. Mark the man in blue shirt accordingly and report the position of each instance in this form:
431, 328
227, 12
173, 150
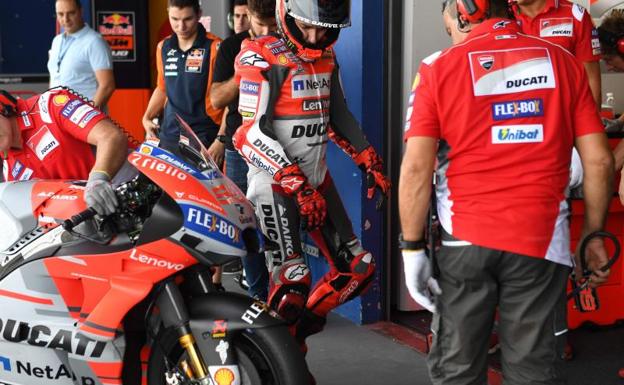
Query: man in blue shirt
79, 57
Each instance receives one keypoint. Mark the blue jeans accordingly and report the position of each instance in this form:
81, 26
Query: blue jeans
256, 273
236, 169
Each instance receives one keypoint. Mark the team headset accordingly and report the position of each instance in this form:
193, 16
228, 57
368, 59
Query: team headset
471, 12
230, 20
612, 39
8, 104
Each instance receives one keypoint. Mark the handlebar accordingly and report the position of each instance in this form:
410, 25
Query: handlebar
77, 219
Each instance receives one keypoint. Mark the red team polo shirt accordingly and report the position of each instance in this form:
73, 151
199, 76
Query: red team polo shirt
509, 107
564, 23
54, 128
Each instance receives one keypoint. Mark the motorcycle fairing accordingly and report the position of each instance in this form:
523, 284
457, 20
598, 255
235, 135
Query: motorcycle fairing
205, 201
56, 200
170, 178
200, 220
35, 366
216, 318
36, 202
101, 290
36, 317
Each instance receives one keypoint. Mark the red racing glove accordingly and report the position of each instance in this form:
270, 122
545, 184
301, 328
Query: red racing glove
342, 143
371, 163
311, 203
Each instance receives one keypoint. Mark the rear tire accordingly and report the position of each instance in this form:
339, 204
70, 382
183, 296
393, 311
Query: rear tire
266, 356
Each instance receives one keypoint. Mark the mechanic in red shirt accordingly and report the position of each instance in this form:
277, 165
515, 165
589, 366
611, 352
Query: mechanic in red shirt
49, 136
611, 32
567, 24
502, 112
291, 101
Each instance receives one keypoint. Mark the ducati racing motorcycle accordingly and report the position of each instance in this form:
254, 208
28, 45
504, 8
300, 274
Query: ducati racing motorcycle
128, 298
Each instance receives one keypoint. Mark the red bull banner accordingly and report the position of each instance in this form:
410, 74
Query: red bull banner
118, 29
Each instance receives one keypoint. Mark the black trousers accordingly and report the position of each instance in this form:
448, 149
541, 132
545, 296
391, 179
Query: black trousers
529, 294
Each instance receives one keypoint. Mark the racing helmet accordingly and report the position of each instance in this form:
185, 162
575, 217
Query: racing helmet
8, 104
330, 14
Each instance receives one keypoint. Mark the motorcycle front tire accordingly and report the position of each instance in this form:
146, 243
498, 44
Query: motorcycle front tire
267, 356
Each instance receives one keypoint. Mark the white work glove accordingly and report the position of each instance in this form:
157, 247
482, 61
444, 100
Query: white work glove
99, 193
421, 285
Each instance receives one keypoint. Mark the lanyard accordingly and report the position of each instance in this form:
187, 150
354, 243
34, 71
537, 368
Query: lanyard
66, 41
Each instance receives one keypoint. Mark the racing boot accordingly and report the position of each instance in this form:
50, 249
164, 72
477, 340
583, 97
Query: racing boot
289, 288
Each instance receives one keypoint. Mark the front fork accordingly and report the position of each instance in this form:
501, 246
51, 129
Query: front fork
174, 313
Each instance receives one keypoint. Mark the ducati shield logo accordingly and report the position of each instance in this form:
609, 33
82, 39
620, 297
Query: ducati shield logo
556, 27
487, 62
511, 71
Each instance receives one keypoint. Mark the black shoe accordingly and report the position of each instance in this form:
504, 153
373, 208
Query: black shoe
219, 287
233, 267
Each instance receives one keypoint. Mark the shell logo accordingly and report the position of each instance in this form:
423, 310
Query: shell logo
282, 59
224, 376
60, 100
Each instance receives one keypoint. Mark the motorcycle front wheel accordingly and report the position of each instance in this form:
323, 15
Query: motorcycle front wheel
266, 356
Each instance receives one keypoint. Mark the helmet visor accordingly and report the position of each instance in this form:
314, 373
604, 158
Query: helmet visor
321, 13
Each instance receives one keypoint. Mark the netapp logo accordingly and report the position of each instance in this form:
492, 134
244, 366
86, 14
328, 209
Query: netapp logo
315, 105
48, 372
310, 130
518, 109
304, 86
520, 133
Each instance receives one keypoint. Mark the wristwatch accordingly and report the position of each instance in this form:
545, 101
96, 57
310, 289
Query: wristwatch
223, 139
411, 245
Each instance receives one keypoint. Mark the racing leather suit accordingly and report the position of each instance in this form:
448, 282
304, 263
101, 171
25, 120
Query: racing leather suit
289, 108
